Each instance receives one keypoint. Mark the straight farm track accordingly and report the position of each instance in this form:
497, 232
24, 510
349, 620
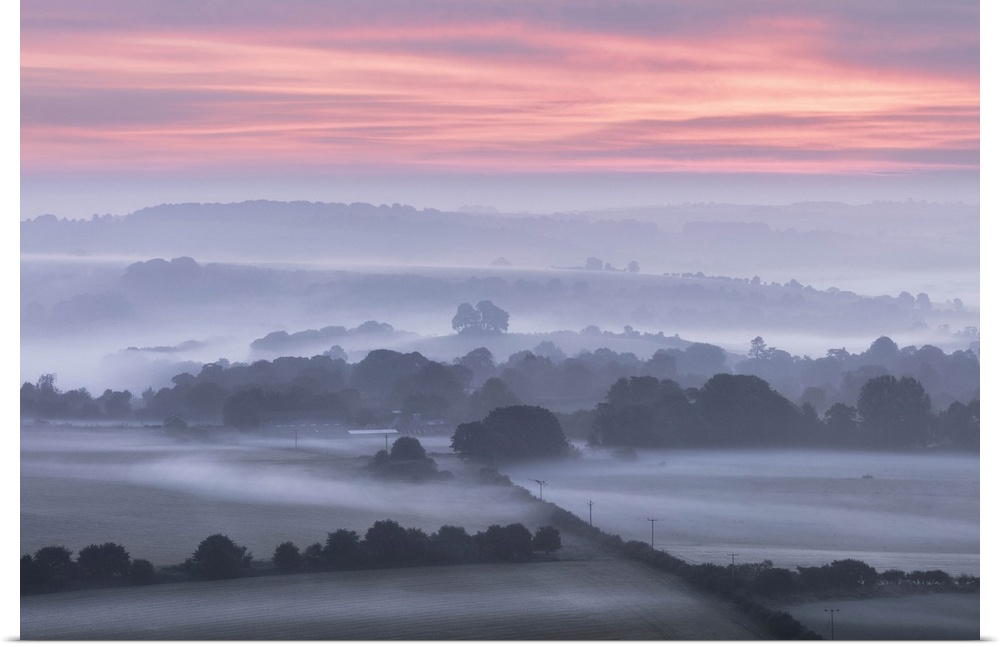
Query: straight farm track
597, 596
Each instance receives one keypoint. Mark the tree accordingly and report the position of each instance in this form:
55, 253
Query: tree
745, 410
546, 539
243, 409
484, 318
407, 448
52, 566
491, 395
218, 557
344, 550
841, 424
451, 545
633, 267
313, 558
466, 318
510, 543
141, 572
391, 544
894, 413
103, 562
517, 433
287, 557
758, 348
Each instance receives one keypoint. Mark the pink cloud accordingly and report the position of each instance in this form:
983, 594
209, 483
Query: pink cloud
764, 91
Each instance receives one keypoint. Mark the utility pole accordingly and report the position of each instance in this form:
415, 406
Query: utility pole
732, 567
540, 484
652, 526
590, 504
831, 621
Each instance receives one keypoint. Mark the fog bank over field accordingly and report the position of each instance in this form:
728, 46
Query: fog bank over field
805, 508
130, 301
795, 508
82, 486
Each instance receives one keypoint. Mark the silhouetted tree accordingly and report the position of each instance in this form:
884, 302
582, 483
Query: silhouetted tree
894, 412
546, 539
451, 545
517, 432
52, 566
218, 557
510, 543
485, 317
141, 572
287, 557
344, 550
103, 562
313, 558
391, 544
407, 448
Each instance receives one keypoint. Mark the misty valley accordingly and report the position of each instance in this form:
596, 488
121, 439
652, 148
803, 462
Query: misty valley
275, 420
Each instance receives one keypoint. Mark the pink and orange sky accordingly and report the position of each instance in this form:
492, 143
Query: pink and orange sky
525, 105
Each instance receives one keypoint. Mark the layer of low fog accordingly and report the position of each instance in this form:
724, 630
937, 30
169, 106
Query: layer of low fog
82, 486
296, 484
791, 507
130, 302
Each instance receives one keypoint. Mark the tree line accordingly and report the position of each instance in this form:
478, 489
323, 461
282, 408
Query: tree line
385, 544
746, 585
675, 398
743, 410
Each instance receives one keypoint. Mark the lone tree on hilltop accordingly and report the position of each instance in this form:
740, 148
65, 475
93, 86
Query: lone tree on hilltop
484, 318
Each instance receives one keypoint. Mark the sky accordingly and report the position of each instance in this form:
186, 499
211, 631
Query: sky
519, 105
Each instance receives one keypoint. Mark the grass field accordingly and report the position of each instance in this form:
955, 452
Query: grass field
600, 597
159, 498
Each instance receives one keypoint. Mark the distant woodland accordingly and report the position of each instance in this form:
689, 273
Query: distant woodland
659, 327
885, 397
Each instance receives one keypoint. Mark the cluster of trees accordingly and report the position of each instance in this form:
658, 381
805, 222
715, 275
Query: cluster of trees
511, 433
53, 568
595, 264
407, 459
743, 410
